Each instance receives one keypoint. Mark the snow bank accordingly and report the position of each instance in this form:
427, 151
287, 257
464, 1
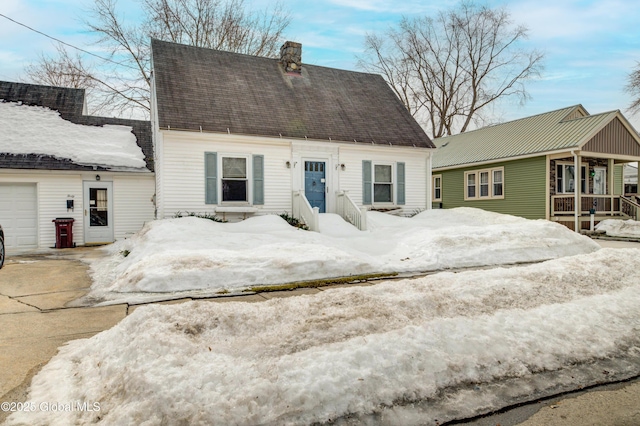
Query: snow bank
619, 228
192, 254
439, 347
39, 130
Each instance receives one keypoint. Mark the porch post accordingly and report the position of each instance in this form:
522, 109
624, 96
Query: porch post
611, 183
577, 189
610, 165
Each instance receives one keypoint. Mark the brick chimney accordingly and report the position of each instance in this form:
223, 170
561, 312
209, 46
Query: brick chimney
291, 56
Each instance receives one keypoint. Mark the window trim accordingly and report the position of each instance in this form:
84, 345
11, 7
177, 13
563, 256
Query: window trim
490, 193
434, 187
583, 177
393, 184
493, 182
248, 179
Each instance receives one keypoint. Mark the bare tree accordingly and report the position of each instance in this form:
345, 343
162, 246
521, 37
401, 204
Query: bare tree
633, 87
64, 70
450, 69
69, 70
123, 79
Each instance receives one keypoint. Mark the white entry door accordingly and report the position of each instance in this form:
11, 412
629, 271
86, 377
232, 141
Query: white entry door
98, 212
599, 180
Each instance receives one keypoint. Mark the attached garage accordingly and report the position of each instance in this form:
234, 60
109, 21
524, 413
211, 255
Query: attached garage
50, 150
19, 215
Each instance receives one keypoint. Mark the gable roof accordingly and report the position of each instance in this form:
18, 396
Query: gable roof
562, 129
69, 103
211, 90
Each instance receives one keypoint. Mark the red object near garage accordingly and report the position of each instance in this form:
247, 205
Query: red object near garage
64, 232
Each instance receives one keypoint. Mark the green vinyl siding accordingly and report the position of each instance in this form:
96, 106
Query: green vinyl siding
524, 185
618, 182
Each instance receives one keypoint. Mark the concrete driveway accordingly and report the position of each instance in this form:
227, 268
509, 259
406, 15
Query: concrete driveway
34, 319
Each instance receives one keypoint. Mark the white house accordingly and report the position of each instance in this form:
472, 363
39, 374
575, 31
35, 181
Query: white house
57, 162
238, 135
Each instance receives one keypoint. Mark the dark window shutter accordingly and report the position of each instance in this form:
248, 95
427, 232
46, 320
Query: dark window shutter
401, 178
366, 182
211, 177
258, 179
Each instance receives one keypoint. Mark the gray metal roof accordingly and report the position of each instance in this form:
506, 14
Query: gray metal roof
563, 129
217, 91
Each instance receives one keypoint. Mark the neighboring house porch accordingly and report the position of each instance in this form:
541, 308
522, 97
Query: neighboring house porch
542, 167
600, 193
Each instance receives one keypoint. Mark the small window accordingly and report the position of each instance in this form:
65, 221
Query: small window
234, 179
382, 184
471, 185
497, 183
437, 188
484, 184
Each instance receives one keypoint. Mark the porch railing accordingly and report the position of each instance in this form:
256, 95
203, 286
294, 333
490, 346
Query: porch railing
303, 211
603, 205
350, 212
630, 208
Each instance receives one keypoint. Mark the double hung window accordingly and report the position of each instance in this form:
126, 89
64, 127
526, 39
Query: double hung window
484, 184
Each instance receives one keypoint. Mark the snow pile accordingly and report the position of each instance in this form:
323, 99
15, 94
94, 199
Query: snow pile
39, 130
619, 228
406, 352
189, 254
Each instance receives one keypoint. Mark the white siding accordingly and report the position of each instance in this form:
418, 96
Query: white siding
132, 203
183, 170
53, 191
132, 194
158, 147
183, 180
416, 172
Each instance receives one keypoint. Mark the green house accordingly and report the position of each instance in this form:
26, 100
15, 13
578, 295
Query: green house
541, 167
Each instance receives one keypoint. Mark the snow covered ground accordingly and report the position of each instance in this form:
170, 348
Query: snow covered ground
421, 351
619, 228
39, 130
197, 256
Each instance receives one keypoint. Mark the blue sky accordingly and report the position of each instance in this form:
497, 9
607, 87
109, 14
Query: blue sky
590, 46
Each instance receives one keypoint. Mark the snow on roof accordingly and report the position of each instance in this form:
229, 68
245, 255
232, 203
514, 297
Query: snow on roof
40, 130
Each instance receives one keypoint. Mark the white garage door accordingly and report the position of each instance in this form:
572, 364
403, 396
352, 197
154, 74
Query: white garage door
18, 215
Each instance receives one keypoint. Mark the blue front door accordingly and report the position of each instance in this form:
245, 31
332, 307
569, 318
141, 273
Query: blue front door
314, 183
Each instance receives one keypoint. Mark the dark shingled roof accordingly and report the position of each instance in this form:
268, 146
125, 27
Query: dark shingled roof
221, 91
70, 104
67, 101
